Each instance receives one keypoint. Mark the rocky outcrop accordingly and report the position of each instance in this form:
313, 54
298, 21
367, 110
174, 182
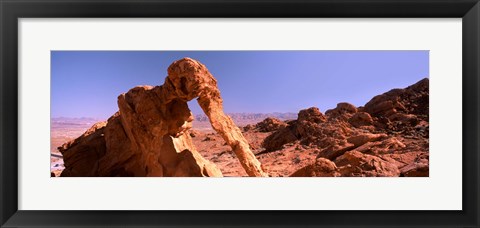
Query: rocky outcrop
398, 109
277, 139
350, 164
386, 137
270, 124
360, 119
149, 136
312, 114
355, 164
82, 155
321, 168
343, 110
418, 168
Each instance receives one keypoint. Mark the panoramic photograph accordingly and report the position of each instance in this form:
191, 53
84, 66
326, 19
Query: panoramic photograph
312, 113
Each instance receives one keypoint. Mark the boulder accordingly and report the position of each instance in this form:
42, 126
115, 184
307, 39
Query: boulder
277, 139
419, 168
360, 139
387, 146
411, 100
270, 124
312, 114
321, 168
356, 164
361, 119
343, 109
335, 150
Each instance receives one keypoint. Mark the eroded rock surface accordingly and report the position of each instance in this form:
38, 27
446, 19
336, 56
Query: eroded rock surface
270, 124
149, 136
321, 168
386, 137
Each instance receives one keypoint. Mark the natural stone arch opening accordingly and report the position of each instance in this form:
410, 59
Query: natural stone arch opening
190, 79
147, 137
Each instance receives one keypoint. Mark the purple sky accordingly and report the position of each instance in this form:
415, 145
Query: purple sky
87, 83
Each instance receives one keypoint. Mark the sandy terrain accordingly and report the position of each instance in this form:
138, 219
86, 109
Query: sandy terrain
276, 163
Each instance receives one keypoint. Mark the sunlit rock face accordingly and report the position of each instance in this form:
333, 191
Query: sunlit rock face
149, 135
387, 137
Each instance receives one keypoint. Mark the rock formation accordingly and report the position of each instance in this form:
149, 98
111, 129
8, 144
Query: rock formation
149, 135
269, 124
386, 137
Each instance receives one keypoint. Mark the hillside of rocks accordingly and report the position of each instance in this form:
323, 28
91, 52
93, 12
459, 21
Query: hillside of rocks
391, 140
389, 136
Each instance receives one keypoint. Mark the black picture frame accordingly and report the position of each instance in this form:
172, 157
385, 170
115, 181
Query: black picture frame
12, 10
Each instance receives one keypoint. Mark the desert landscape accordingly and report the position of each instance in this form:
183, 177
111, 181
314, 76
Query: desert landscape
155, 134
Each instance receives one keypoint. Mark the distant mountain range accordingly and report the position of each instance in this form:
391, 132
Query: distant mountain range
239, 118
251, 117
74, 119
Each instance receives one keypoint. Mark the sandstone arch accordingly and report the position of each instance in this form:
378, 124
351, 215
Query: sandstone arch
147, 137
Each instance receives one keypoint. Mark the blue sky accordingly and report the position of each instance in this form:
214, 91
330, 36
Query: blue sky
87, 83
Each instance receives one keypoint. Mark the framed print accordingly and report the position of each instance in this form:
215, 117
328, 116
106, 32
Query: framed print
265, 113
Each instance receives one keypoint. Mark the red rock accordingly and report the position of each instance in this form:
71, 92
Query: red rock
208, 138
361, 139
249, 127
321, 168
380, 107
411, 100
270, 124
193, 133
346, 107
335, 150
312, 114
279, 138
419, 168
356, 164
387, 146
415, 170
361, 119
342, 108
388, 133
82, 155
408, 119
